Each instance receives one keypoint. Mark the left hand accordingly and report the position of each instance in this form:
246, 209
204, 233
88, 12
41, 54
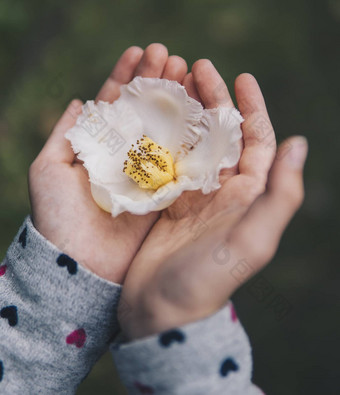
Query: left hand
63, 209
175, 279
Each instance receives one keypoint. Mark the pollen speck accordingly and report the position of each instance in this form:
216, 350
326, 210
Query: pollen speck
152, 163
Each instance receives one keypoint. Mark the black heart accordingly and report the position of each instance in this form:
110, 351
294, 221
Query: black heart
1, 370
65, 260
23, 237
11, 313
168, 337
229, 365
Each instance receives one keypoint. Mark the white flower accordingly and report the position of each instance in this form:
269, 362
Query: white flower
153, 143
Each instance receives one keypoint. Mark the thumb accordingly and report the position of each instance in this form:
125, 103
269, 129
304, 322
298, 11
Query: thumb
261, 229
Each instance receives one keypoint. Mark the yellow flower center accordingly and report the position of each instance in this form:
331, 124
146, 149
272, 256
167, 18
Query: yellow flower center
149, 164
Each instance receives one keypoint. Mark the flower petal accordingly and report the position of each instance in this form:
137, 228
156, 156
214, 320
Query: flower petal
168, 114
217, 149
127, 196
102, 137
202, 143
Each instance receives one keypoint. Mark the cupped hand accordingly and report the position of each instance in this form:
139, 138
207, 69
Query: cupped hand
62, 206
187, 267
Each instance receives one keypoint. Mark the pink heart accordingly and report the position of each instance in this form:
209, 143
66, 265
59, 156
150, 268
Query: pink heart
77, 337
143, 389
233, 313
3, 269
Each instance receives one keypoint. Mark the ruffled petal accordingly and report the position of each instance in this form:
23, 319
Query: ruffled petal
102, 137
168, 114
218, 148
202, 142
127, 196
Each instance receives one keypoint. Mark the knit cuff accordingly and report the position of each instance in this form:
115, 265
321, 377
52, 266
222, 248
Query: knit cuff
57, 317
211, 356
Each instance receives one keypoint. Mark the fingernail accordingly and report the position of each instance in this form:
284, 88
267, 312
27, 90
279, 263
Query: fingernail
298, 152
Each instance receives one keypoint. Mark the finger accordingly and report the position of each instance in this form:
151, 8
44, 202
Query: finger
237, 256
122, 73
210, 85
175, 69
261, 229
57, 148
190, 87
258, 133
226, 174
153, 61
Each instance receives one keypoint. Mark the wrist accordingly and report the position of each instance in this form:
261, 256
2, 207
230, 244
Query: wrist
147, 316
93, 257
153, 314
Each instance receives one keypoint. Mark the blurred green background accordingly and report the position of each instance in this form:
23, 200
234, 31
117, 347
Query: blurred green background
53, 51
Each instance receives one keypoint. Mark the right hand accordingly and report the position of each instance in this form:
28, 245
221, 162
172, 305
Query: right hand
174, 279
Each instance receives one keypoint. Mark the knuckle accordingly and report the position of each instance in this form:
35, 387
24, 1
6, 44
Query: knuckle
259, 127
253, 189
260, 185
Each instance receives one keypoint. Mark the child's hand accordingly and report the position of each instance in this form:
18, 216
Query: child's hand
62, 206
174, 279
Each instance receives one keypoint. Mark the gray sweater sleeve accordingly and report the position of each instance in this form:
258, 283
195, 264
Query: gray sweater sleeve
211, 356
56, 318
